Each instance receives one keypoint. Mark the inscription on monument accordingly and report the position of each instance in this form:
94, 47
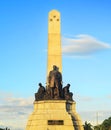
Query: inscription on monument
55, 122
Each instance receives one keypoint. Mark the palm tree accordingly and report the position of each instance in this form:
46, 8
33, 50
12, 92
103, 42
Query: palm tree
88, 126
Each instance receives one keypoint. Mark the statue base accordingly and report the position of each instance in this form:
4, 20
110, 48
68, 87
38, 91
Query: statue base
54, 115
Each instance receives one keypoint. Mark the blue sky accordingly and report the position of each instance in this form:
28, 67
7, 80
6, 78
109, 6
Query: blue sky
86, 44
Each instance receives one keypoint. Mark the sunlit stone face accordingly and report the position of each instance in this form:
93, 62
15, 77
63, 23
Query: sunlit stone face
54, 41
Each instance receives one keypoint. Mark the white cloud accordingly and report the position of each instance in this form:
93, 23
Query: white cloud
14, 112
109, 96
83, 98
94, 117
82, 45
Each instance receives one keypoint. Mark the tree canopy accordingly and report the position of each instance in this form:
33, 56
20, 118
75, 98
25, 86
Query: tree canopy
88, 126
1, 129
106, 125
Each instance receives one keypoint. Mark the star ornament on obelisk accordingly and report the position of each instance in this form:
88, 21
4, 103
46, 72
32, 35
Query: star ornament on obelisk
54, 41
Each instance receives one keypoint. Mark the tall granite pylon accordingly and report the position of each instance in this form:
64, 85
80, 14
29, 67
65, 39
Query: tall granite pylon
54, 107
54, 41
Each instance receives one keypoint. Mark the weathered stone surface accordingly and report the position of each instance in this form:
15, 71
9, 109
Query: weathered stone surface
54, 110
54, 41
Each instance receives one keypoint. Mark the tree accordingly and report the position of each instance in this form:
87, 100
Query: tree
1, 129
88, 126
5, 128
106, 125
98, 127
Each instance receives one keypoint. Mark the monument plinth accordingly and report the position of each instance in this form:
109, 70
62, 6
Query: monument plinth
54, 107
54, 115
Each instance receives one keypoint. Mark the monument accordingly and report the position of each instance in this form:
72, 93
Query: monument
54, 107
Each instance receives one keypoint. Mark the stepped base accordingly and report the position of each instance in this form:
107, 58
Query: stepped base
54, 115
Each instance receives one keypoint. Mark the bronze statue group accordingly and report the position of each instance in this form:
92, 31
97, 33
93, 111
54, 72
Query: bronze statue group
54, 89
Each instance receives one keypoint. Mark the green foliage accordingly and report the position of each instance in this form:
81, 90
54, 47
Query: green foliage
88, 126
106, 125
5, 128
1, 129
98, 127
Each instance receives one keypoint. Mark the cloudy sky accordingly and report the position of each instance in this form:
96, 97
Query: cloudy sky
86, 56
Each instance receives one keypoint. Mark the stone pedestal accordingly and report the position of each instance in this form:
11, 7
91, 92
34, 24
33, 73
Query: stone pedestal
54, 115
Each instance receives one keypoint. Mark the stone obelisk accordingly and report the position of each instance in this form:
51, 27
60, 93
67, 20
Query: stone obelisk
54, 107
54, 41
